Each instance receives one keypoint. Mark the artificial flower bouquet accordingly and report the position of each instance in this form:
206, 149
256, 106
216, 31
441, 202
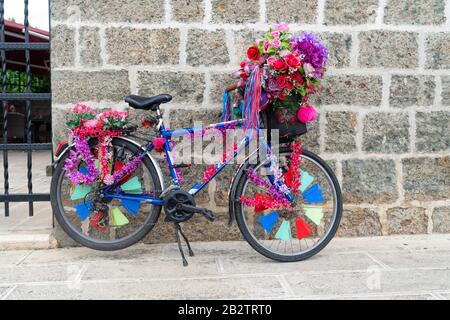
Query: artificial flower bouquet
290, 68
84, 117
85, 123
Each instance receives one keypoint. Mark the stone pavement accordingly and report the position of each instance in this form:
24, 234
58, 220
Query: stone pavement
395, 267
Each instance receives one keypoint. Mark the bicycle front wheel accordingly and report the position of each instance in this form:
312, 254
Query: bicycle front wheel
303, 230
122, 223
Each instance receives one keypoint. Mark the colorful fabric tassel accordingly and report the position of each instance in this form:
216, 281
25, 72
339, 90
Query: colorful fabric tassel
269, 221
132, 206
284, 232
80, 191
314, 213
226, 106
252, 98
313, 194
305, 180
84, 209
118, 219
303, 230
132, 184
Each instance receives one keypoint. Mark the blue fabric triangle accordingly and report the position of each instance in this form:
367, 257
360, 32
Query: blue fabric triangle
84, 209
269, 221
313, 194
132, 206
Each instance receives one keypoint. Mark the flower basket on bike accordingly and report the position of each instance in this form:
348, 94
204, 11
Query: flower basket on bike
281, 72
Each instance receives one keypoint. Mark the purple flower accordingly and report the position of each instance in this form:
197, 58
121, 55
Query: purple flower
312, 50
272, 85
130, 167
73, 161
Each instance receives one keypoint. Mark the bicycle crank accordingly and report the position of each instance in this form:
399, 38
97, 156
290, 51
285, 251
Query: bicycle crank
179, 206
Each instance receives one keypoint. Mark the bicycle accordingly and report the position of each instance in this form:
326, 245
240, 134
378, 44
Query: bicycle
283, 234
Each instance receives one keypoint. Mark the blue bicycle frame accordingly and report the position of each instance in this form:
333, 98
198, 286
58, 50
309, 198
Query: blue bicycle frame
197, 187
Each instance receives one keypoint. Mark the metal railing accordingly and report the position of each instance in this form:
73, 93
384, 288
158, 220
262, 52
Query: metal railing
26, 96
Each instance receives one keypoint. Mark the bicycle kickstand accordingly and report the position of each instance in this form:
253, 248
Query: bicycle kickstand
178, 231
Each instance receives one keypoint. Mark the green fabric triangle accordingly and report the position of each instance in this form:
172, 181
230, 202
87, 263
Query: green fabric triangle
305, 179
284, 233
118, 218
314, 213
137, 191
80, 191
132, 184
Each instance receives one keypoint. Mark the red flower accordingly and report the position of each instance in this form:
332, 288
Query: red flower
244, 76
282, 82
292, 60
297, 77
282, 95
279, 65
253, 53
289, 85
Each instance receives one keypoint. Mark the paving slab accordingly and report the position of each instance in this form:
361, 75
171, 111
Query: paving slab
414, 259
11, 258
35, 274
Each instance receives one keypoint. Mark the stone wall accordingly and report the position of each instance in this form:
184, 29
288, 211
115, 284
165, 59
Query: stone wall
384, 114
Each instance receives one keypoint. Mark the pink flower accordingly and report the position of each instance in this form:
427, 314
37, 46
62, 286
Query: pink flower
306, 114
81, 108
159, 144
108, 179
309, 69
266, 45
275, 34
91, 123
275, 43
282, 26
271, 60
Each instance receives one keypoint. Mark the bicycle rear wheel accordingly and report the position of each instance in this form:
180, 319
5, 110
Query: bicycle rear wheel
125, 223
305, 229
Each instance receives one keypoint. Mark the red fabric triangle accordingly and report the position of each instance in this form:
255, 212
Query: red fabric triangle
303, 230
262, 202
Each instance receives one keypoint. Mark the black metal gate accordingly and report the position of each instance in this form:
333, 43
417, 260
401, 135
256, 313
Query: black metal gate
26, 96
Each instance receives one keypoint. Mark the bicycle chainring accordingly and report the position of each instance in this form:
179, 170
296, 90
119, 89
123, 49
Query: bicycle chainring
171, 205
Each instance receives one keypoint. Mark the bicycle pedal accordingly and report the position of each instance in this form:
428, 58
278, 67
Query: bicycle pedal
208, 214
